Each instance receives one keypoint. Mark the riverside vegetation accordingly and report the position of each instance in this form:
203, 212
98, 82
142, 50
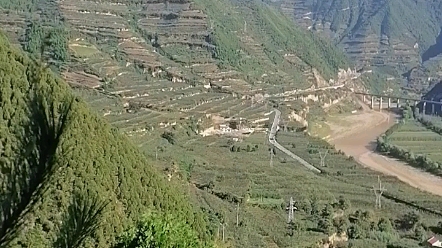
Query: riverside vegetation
218, 191
415, 140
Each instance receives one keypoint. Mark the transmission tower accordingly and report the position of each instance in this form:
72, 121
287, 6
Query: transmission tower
291, 209
322, 156
224, 224
378, 193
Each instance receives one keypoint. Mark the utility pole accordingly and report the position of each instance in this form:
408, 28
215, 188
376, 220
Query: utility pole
271, 156
284, 125
253, 101
291, 209
245, 26
322, 156
156, 153
378, 193
237, 214
266, 138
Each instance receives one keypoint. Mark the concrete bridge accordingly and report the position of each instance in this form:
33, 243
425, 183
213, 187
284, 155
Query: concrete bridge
425, 106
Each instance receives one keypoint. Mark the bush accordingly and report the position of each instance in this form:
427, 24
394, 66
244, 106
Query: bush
159, 230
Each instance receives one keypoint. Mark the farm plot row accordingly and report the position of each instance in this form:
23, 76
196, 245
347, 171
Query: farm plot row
107, 23
421, 149
13, 24
111, 26
416, 138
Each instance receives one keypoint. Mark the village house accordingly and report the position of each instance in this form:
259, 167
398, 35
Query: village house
434, 242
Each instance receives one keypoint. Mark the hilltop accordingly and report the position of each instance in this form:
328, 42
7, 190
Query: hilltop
398, 37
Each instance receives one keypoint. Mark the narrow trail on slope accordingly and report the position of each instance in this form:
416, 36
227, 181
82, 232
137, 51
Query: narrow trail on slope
357, 138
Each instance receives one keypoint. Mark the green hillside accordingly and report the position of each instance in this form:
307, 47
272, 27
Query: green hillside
399, 35
54, 150
275, 33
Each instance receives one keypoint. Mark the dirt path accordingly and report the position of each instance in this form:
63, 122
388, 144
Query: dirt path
356, 135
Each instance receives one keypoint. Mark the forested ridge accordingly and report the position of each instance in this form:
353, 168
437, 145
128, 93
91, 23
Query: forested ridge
60, 162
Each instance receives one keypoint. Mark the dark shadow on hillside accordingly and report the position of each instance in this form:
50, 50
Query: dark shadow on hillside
35, 161
436, 229
434, 50
81, 220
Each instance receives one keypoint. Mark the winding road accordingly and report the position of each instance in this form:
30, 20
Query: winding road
273, 141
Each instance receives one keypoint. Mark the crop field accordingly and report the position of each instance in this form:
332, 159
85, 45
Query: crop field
247, 174
13, 23
414, 137
83, 49
156, 64
139, 75
351, 173
435, 120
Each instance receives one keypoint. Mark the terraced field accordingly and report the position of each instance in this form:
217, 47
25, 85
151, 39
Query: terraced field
416, 138
13, 24
162, 58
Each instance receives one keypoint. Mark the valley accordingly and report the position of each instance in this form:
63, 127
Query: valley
358, 140
199, 118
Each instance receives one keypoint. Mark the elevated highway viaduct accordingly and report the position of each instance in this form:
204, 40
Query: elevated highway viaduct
425, 106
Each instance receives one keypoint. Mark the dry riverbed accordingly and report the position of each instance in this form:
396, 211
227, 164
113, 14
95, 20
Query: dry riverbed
355, 134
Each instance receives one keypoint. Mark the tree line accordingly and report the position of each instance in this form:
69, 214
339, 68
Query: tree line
421, 161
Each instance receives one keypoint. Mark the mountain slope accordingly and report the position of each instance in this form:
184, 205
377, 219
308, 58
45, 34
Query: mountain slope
87, 156
174, 59
396, 34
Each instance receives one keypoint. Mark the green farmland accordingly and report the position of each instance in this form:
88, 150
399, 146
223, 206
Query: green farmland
221, 176
415, 137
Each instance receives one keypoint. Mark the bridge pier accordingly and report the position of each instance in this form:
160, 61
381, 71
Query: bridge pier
424, 107
397, 104
389, 103
432, 107
372, 102
380, 103
363, 98
415, 103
